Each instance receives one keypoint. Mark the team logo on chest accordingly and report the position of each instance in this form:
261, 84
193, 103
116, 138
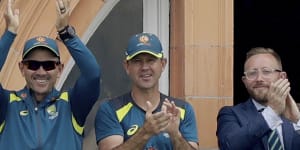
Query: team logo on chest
51, 110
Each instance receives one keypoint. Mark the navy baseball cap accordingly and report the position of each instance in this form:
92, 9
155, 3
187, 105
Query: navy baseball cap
40, 41
144, 43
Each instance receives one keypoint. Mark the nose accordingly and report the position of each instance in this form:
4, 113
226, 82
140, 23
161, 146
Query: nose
145, 65
41, 70
259, 76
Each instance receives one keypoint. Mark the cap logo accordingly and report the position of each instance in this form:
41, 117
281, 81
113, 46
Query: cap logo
41, 39
144, 39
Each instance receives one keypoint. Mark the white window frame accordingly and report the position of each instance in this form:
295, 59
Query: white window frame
156, 20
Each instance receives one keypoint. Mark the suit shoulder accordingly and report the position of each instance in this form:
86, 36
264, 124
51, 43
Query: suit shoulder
233, 108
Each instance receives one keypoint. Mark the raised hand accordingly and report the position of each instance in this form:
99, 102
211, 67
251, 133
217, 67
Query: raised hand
291, 111
277, 95
12, 17
63, 14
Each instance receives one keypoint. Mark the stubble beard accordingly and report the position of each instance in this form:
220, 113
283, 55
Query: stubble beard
259, 96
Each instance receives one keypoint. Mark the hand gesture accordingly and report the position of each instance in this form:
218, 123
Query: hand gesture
171, 109
11, 17
291, 111
155, 123
277, 95
63, 14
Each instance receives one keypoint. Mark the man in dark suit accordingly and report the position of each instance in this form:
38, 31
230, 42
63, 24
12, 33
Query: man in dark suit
270, 119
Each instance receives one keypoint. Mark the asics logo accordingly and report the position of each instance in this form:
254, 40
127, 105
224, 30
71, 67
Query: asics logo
132, 130
24, 113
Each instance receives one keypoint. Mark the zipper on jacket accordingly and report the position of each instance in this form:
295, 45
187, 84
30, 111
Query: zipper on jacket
38, 123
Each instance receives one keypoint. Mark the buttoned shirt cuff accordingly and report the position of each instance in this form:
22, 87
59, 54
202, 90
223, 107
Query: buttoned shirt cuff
273, 120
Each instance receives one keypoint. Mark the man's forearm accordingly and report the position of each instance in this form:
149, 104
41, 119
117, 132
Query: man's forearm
5, 43
137, 141
180, 143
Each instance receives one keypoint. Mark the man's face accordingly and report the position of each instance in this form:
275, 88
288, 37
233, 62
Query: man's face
145, 70
261, 70
40, 70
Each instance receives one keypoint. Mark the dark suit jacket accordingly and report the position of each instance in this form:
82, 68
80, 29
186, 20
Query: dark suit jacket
242, 127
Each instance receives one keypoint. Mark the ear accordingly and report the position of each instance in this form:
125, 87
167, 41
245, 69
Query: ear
125, 65
283, 75
60, 68
244, 79
22, 68
163, 63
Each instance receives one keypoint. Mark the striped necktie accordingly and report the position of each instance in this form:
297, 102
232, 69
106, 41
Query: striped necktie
274, 141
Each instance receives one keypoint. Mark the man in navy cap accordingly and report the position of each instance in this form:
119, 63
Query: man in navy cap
144, 118
39, 116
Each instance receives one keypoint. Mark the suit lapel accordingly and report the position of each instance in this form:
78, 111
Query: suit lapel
250, 107
252, 112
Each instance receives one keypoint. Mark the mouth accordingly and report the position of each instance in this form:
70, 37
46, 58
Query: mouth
260, 86
43, 80
146, 76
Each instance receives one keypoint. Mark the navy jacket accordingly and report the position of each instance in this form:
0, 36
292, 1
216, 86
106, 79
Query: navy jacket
242, 127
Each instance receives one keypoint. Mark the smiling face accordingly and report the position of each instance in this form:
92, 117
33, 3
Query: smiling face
259, 86
145, 70
40, 81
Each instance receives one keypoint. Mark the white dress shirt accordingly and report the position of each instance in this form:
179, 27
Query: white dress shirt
273, 120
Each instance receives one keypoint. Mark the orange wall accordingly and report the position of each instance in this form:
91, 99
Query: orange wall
202, 59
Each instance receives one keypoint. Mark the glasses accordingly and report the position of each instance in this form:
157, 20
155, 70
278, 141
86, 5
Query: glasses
35, 65
266, 73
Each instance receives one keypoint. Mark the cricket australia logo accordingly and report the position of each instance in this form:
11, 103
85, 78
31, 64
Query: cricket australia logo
51, 110
131, 131
144, 40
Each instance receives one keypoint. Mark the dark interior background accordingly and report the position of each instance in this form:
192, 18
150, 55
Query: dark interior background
266, 23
